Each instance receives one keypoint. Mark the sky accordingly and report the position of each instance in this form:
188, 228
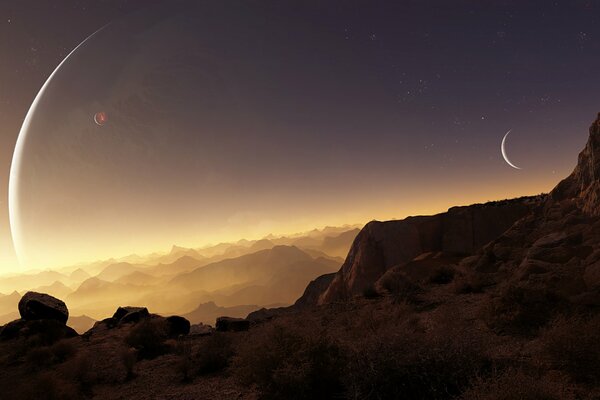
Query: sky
231, 120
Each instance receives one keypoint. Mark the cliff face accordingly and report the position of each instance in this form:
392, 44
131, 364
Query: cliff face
541, 240
383, 245
583, 184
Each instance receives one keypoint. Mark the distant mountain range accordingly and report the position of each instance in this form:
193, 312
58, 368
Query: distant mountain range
228, 278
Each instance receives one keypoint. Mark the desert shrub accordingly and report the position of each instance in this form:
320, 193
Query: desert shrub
82, 371
47, 332
402, 288
128, 358
370, 292
413, 365
48, 386
148, 337
573, 345
515, 384
214, 353
291, 363
522, 310
441, 275
185, 364
39, 357
63, 350
469, 283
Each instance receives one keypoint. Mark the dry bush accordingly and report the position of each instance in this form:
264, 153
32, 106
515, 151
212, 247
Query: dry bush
401, 287
441, 275
185, 365
573, 345
414, 365
82, 371
370, 292
39, 357
214, 353
63, 350
48, 386
522, 310
291, 362
469, 283
515, 384
149, 337
128, 358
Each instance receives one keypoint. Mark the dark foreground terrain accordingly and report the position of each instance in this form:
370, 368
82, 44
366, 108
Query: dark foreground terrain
492, 301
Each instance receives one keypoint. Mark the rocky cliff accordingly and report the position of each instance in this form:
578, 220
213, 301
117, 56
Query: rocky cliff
512, 239
383, 245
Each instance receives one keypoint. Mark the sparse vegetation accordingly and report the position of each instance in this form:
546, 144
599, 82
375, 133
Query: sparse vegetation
63, 350
39, 357
442, 275
148, 337
370, 292
468, 283
214, 353
573, 345
415, 365
401, 287
522, 310
516, 384
128, 359
291, 363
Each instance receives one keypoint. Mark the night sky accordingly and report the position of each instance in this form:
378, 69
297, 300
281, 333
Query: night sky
282, 116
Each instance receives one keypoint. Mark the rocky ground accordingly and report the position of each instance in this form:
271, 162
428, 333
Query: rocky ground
486, 302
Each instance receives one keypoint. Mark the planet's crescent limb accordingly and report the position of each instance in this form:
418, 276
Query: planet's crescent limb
503, 149
13, 200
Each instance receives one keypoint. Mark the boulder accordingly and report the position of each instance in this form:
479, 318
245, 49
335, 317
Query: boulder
47, 331
228, 324
128, 314
177, 325
201, 330
34, 306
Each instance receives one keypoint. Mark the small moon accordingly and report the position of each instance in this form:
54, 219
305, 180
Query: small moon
503, 149
100, 118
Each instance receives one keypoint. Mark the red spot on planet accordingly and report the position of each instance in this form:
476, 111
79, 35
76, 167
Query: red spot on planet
100, 118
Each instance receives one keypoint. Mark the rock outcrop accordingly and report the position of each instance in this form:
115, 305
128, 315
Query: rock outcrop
128, 314
177, 326
34, 306
541, 244
228, 324
583, 185
383, 245
42, 316
313, 291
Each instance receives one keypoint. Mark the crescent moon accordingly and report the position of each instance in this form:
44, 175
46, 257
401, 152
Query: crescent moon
13, 200
503, 148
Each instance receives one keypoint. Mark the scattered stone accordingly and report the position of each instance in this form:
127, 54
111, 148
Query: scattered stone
178, 326
34, 306
128, 314
229, 324
201, 330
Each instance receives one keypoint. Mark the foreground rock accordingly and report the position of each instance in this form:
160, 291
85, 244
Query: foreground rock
177, 326
45, 331
228, 324
201, 330
43, 320
35, 306
128, 314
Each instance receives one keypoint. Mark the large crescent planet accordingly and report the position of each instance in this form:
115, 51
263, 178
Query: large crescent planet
214, 134
504, 154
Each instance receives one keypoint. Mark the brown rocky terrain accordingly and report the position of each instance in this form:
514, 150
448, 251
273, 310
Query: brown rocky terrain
486, 302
